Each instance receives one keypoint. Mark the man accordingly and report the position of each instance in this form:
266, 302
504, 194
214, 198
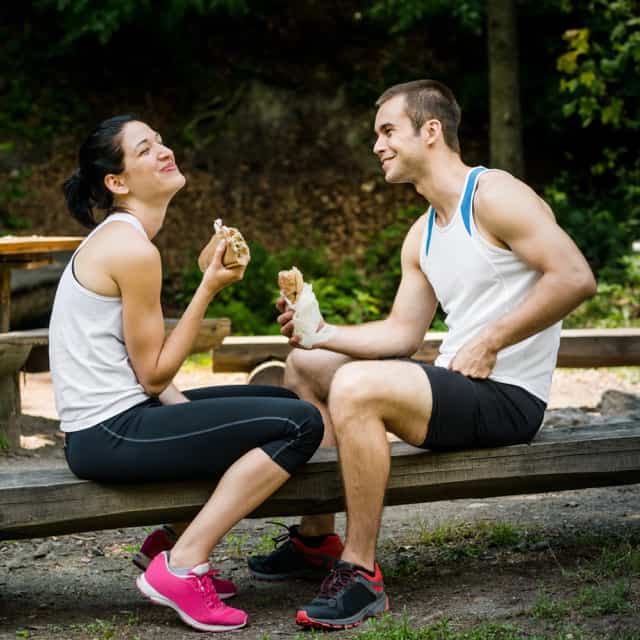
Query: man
489, 251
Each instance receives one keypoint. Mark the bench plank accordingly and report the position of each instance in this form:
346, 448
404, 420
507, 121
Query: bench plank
578, 348
51, 502
211, 334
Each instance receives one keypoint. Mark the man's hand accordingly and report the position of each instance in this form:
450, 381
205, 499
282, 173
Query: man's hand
285, 320
476, 358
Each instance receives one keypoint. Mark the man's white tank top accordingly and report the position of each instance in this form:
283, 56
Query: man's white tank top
92, 377
478, 283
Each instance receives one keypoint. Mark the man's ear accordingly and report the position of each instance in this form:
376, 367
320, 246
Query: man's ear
431, 130
116, 184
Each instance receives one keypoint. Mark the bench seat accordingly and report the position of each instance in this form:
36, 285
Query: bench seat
53, 501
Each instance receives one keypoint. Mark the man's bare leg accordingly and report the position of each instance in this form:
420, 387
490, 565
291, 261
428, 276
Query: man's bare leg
368, 398
309, 374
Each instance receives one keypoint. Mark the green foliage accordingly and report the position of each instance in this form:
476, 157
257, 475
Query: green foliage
617, 302
600, 225
404, 14
601, 80
100, 20
602, 65
12, 189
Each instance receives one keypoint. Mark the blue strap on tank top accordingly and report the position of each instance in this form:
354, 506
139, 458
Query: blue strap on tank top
465, 205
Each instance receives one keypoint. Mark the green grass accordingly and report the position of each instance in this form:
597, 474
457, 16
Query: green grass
388, 628
548, 608
130, 548
237, 544
620, 560
604, 599
265, 543
423, 546
469, 539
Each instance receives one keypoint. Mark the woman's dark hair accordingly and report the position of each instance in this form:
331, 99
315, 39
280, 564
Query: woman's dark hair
100, 154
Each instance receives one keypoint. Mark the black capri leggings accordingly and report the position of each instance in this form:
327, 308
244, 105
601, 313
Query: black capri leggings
197, 439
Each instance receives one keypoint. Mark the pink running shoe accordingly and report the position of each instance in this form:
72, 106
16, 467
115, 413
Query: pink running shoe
163, 539
193, 597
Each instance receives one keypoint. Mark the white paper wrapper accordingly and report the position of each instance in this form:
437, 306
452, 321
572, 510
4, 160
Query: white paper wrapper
307, 318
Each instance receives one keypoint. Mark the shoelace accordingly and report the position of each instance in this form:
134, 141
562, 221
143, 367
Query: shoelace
339, 578
204, 584
282, 538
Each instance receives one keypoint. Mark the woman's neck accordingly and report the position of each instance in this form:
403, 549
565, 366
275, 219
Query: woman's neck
150, 216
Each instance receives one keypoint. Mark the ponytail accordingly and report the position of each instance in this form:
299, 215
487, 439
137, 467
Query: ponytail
100, 154
77, 193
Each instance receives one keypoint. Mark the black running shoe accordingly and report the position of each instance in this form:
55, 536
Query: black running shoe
296, 559
348, 596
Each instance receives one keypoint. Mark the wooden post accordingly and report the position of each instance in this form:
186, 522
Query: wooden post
5, 297
12, 357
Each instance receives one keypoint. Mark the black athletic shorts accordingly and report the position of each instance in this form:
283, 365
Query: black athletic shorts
197, 439
470, 413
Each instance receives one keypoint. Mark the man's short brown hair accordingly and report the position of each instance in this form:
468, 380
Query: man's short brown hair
426, 99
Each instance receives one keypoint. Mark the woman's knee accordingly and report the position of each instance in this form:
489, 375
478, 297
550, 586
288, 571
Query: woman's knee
316, 426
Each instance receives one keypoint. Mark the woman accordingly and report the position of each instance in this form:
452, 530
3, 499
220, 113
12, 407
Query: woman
112, 372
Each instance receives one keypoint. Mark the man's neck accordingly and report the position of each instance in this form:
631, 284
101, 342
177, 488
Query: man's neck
442, 186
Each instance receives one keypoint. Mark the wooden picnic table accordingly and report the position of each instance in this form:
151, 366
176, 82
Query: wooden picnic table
26, 252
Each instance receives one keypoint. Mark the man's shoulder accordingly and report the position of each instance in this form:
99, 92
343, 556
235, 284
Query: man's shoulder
501, 193
496, 184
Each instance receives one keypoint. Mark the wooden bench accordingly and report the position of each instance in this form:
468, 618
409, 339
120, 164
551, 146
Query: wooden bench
51, 502
16, 347
263, 356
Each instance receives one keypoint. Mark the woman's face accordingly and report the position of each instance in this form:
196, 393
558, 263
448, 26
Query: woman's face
150, 172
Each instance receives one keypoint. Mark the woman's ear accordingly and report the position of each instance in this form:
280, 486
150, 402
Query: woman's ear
116, 184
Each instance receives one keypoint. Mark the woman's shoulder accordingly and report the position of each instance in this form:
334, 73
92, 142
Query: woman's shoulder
123, 243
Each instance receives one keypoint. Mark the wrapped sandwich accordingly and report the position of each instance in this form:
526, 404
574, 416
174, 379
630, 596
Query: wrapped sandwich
235, 255
291, 283
308, 324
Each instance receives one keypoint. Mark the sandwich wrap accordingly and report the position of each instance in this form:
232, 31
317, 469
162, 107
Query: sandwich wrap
236, 253
307, 318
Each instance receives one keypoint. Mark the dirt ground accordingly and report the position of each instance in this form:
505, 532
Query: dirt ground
521, 560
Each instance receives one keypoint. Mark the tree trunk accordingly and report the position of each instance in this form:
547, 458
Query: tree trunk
504, 88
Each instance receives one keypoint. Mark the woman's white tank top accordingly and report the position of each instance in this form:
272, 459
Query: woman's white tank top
92, 377
478, 283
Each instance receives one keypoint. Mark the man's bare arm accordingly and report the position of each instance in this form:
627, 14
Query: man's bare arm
511, 213
402, 332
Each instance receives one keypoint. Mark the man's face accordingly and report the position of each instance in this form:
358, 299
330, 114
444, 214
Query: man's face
399, 147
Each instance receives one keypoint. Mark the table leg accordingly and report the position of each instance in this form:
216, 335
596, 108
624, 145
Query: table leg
5, 297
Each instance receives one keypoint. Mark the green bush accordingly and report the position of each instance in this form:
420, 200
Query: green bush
617, 302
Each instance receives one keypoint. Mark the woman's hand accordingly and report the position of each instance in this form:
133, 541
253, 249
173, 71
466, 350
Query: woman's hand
217, 276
